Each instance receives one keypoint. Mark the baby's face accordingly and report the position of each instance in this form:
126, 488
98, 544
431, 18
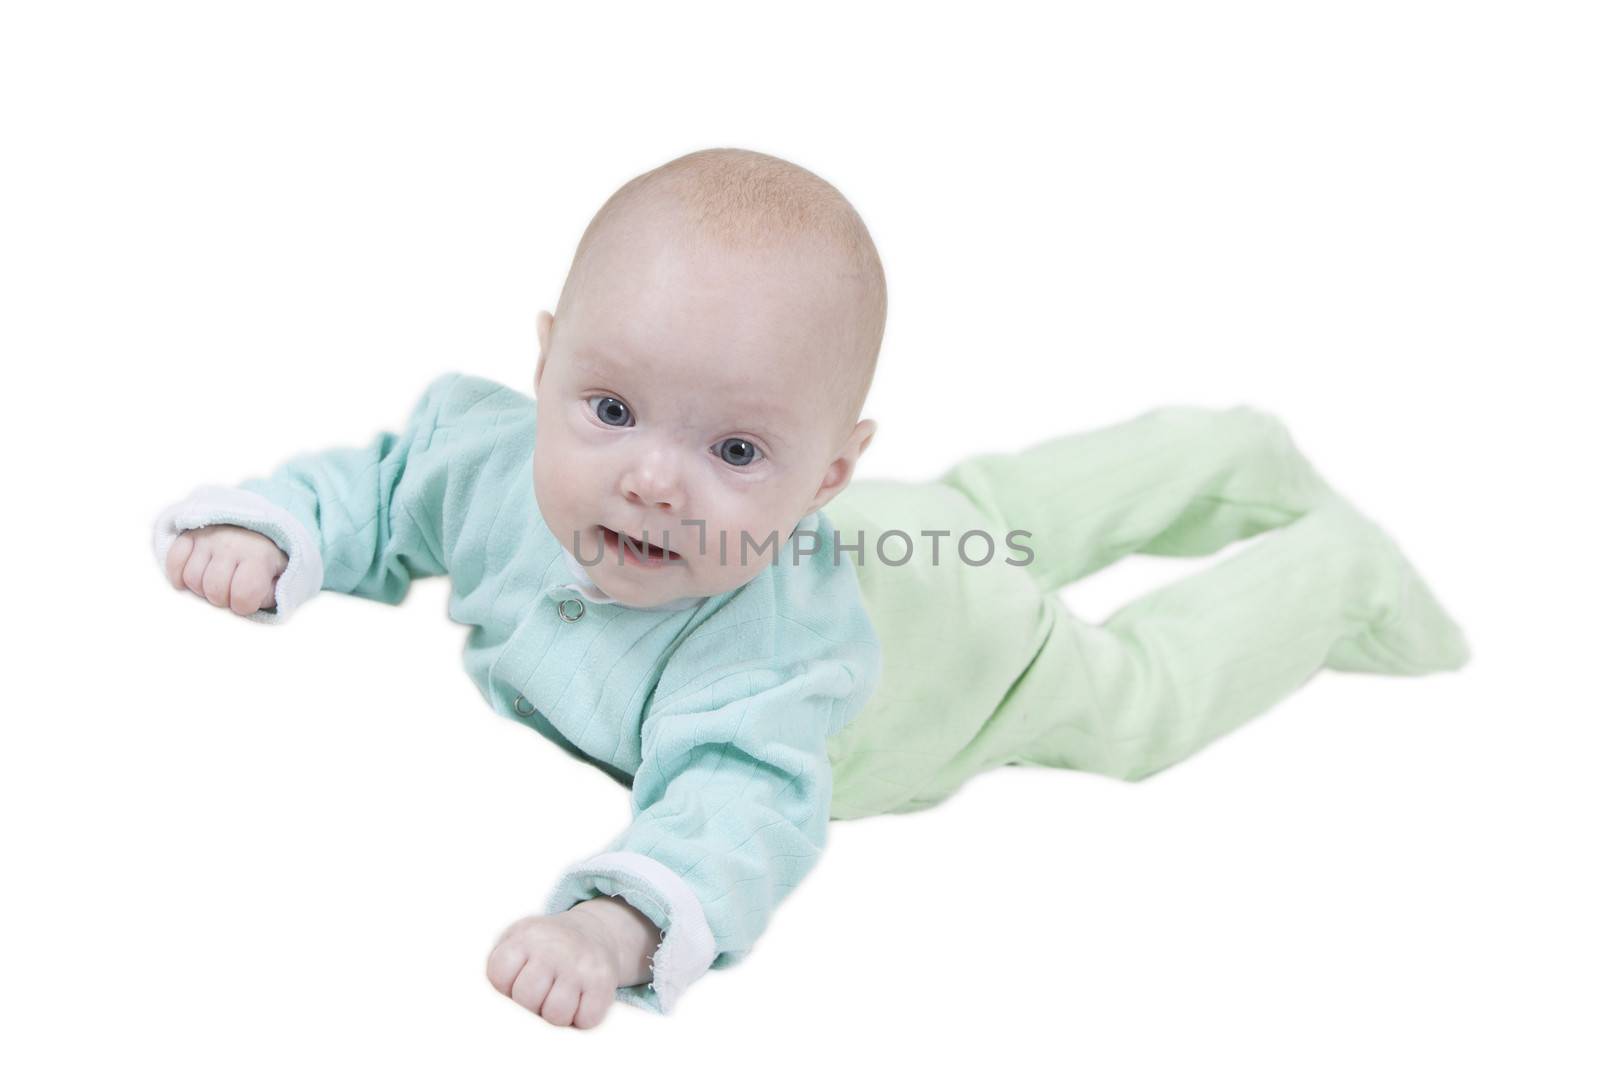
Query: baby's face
691, 385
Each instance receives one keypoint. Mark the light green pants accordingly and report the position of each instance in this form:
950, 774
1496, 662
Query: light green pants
984, 666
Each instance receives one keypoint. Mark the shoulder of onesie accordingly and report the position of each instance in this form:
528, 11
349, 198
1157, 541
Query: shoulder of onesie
462, 417
458, 396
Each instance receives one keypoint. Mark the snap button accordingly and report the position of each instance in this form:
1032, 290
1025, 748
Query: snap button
570, 610
521, 702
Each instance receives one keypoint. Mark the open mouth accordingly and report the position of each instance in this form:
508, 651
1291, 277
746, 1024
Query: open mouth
636, 551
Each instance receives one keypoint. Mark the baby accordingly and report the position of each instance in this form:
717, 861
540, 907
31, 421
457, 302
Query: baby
663, 573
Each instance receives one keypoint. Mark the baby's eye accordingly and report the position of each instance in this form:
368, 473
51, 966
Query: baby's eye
611, 411
737, 451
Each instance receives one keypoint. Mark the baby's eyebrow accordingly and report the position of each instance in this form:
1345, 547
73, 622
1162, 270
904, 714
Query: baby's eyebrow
773, 433
584, 360
768, 437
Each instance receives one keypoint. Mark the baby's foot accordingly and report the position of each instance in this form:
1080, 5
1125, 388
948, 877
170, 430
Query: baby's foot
1412, 634
1302, 487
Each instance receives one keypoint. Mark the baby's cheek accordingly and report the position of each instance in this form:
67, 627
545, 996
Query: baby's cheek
554, 471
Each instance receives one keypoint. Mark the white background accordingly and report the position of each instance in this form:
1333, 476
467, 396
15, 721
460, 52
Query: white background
246, 854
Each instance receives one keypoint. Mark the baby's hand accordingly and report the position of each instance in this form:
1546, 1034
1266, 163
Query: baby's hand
230, 566
564, 968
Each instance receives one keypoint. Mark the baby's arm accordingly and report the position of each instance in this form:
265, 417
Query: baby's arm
730, 814
731, 805
733, 792
363, 521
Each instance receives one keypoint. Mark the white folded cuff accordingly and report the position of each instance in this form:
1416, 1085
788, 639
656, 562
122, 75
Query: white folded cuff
687, 946
210, 505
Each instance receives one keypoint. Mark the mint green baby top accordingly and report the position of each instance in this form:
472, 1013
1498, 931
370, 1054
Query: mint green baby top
715, 711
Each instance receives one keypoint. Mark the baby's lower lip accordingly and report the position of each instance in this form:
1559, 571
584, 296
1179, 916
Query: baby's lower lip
637, 552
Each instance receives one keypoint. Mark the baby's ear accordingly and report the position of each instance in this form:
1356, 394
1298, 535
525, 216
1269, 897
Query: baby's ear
843, 466
545, 324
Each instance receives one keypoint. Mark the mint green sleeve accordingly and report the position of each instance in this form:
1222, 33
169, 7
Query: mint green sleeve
731, 800
364, 521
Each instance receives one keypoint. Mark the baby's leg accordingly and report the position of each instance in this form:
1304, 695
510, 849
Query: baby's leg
1189, 662
1173, 481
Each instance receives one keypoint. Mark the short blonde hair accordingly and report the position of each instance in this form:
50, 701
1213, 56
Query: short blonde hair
747, 199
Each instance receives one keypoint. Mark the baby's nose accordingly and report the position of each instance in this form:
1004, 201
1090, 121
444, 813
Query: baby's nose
655, 482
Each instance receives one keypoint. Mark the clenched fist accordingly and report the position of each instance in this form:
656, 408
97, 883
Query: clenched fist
230, 566
566, 967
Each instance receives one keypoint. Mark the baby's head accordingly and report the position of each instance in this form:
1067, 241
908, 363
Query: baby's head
707, 362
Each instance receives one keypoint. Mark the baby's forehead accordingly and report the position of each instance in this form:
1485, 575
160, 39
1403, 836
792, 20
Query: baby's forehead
653, 227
